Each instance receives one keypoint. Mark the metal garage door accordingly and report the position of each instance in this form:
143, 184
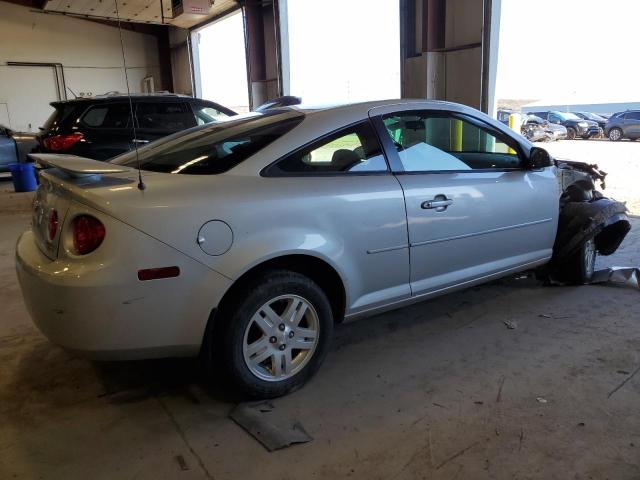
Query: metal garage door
26, 91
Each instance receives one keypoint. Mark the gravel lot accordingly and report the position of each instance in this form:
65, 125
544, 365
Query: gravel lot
621, 160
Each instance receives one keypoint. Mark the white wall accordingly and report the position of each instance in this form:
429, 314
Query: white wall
89, 52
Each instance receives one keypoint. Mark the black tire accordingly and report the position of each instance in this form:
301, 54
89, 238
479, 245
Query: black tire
614, 137
235, 321
585, 137
571, 133
579, 269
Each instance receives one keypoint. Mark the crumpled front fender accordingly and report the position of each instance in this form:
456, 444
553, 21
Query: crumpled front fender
602, 219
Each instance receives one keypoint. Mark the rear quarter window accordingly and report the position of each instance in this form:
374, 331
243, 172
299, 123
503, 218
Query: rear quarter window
117, 115
211, 149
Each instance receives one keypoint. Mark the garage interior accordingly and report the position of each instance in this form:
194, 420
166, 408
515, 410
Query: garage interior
512, 379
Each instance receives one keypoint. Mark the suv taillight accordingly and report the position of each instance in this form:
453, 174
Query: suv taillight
53, 224
88, 234
60, 143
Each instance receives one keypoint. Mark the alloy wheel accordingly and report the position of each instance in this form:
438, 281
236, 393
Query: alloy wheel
281, 338
589, 258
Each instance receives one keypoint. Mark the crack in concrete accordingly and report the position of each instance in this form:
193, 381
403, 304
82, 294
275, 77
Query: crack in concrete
180, 432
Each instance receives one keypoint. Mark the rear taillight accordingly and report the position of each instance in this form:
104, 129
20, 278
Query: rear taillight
60, 143
88, 234
53, 224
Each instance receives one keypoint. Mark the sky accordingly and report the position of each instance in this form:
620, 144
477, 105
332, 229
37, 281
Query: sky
569, 49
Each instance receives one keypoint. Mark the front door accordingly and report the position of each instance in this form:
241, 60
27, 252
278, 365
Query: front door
632, 124
473, 210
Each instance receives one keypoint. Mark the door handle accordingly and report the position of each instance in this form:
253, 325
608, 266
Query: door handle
137, 140
439, 203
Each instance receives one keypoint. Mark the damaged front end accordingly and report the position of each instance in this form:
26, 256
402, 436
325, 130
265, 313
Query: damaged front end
589, 223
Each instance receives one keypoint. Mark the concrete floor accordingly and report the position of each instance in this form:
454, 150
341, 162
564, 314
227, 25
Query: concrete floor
439, 390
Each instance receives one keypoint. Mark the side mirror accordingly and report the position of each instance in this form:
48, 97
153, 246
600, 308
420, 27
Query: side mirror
539, 158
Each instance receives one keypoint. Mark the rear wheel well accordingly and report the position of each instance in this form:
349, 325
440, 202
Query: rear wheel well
319, 271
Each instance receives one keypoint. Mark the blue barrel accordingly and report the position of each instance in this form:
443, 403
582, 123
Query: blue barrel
23, 176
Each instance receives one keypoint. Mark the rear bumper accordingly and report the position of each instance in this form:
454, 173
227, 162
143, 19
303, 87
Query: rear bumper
101, 313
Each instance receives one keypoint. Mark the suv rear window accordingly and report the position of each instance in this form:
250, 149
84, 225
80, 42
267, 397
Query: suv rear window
62, 110
213, 148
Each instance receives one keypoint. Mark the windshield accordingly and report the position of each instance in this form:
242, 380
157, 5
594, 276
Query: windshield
568, 116
213, 148
592, 116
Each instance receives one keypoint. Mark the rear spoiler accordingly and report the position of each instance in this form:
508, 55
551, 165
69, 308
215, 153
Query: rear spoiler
75, 166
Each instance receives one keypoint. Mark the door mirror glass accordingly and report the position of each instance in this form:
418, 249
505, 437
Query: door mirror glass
539, 158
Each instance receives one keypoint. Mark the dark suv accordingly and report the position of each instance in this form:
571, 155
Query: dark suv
101, 127
623, 125
576, 126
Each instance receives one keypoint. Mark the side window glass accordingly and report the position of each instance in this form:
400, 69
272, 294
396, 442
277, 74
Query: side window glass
205, 114
116, 115
554, 118
167, 116
353, 150
633, 115
427, 141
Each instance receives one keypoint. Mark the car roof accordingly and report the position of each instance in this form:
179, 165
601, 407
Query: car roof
362, 108
124, 96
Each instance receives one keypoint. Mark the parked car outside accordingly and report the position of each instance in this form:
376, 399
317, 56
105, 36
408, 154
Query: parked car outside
251, 237
594, 117
623, 125
14, 147
576, 126
535, 133
554, 131
101, 127
503, 115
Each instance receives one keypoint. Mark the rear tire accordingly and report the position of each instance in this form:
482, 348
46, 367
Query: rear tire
579, 268
259, 334
571, 133
615, 134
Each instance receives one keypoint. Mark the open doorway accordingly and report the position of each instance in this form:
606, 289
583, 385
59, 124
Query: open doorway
221, 56
344, 51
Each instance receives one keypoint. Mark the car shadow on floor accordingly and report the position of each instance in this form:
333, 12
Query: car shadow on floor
58, 378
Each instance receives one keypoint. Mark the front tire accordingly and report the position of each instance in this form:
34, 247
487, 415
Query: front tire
615, 134
571, 133
580, 267
277, 334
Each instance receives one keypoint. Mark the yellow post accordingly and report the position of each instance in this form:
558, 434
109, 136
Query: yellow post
515, 124
456, 136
